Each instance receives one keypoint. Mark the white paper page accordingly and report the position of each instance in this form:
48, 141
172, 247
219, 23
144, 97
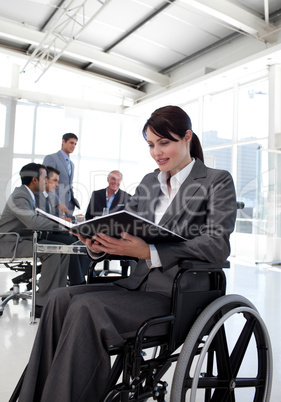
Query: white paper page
56, 218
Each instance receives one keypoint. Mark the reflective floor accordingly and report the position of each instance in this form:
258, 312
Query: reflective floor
260, 284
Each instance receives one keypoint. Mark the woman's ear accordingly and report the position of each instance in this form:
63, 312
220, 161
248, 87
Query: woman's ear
188, 136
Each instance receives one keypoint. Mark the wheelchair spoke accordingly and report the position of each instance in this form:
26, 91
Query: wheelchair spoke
241, 346
228, 357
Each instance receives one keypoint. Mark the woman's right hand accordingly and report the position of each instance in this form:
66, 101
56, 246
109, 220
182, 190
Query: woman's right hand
90, 244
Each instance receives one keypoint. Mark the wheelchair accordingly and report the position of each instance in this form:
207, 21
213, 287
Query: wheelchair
211, 339
218, 343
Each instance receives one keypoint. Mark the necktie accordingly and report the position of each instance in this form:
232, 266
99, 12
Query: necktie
47, 205
68, 166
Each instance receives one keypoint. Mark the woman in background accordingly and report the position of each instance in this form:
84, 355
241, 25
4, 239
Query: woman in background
69, 360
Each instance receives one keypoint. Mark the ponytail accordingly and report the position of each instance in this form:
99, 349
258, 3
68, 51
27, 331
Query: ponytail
196, 150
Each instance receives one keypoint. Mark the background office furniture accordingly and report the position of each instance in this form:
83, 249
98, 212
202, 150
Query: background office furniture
23, 265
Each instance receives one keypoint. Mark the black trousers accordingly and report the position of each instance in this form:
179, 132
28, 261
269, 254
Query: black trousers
69, 360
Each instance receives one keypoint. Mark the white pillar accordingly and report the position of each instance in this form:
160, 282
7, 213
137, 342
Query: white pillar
274, 143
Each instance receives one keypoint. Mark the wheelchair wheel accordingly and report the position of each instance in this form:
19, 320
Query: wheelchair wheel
226, 356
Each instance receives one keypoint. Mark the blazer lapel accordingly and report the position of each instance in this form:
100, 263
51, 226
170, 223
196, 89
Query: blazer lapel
155, 192
63, 161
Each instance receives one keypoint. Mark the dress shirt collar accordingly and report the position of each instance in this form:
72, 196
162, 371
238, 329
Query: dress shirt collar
45, 194
31, 194
176, 180
110, 200
112, 194
66, 157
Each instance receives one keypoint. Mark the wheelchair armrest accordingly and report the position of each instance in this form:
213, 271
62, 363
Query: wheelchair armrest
110, 257
240, 204
195, 265
124, 263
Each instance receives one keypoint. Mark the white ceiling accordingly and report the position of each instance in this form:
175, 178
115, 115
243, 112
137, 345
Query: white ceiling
143, 46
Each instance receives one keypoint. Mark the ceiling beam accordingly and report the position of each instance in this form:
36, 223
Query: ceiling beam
234, 15
140, 24
51, 99
86, 53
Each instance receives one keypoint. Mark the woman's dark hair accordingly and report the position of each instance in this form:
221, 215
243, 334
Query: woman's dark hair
169, 120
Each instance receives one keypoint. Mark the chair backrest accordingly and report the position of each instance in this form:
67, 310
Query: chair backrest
14, 238
197, 285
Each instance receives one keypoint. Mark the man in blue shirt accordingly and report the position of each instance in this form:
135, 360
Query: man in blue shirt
109, 199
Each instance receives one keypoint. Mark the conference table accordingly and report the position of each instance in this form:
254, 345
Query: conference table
40, 248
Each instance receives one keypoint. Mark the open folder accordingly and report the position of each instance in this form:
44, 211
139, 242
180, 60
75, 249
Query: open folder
115, 223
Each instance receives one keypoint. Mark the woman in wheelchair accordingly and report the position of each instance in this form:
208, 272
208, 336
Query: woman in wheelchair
70, 359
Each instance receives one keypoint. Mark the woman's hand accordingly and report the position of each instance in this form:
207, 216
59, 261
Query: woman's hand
128, 245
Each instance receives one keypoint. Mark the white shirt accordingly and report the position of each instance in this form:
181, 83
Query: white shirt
31, 194
164, 202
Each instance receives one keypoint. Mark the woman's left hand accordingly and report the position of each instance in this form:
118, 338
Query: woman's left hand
128, 245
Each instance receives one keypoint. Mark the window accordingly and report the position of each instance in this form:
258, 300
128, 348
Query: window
192, 109
100, 136
253, 110
49, 129
219, 158
218, 119
247, 183
3, 111
24, 127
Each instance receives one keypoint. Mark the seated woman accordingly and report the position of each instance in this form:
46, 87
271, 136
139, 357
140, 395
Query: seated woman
70, 360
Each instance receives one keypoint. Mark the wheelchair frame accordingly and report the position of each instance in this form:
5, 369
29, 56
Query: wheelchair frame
206, 369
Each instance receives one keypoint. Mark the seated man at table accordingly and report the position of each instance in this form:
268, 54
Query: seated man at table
45, 200
109, 199
19, 216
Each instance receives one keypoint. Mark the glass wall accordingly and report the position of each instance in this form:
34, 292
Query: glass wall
232, 126
267, 211
218, 119
106, 142
2, 124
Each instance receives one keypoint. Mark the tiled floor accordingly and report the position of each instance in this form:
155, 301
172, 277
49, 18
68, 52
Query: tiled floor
261, 285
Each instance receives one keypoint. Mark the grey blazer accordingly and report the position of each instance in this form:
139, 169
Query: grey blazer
203, 211
52, 202
19, 215
65, 189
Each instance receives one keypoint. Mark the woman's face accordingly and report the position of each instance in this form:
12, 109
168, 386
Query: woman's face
171, 156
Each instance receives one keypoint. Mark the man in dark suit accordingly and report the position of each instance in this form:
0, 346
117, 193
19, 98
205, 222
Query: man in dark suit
61, 161
18, 216
45, 200
109, 199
